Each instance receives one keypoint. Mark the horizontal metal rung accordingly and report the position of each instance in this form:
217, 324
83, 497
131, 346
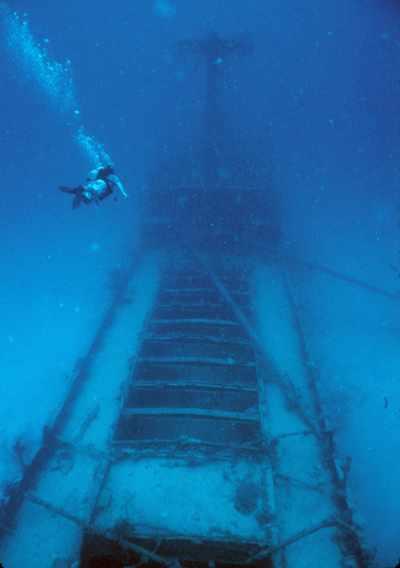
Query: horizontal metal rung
195, 337
193, 385
189, 291
193, 423
209, 374
198, 349
201, 281
192, 271
179, 305
125, 447
227, 362
191, 412
199, 312
197, 321
205, 291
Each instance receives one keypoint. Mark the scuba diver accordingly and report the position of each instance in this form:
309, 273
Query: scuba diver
100, 183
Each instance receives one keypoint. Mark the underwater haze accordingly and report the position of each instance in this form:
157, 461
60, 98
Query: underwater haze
316, 105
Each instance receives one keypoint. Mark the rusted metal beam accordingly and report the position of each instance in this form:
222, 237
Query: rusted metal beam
349, 279
270, 551
110, 534
52, 432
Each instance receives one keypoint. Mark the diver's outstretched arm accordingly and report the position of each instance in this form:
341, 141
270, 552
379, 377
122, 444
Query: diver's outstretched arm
118, 183
122, 190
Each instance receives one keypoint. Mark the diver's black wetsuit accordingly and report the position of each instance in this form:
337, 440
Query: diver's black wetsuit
103, 173
81, 192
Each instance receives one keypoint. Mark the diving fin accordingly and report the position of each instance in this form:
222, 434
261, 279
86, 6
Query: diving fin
76, 201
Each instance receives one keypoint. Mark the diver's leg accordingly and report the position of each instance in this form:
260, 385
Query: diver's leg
78, 199
68, 189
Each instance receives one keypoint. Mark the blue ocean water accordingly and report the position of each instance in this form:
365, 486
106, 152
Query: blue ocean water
317, 103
